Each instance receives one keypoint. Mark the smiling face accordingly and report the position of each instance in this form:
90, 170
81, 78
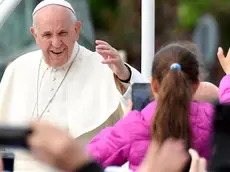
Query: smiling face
55, 31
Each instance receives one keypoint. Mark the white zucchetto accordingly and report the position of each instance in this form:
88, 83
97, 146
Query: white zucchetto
45, 3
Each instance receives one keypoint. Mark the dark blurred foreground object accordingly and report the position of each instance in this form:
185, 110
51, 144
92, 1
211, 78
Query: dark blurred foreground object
220, 161
188, 165
90, 167
14, 136
8, 161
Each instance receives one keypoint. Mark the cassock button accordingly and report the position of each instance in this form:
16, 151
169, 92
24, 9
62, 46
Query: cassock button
51, 89
48, 111
54, 79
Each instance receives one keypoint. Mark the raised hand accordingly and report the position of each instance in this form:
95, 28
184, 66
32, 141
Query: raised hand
112, 59
224, 60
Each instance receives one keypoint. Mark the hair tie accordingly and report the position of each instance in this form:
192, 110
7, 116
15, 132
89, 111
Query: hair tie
175, 66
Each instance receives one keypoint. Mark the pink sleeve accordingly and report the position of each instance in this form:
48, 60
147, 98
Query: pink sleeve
111, 146
224, 90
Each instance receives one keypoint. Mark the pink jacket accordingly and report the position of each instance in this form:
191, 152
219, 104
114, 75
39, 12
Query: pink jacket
128, 140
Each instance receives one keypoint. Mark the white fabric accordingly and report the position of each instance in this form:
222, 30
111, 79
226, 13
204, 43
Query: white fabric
45, 3
89, 87
86, 99
117, 169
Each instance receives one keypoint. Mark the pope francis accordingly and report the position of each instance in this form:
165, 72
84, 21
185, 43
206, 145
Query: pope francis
63, 82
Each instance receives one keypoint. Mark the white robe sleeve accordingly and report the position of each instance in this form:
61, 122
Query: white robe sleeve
6, 91
136, 77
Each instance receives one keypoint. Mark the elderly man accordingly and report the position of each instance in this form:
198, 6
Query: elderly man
63, 82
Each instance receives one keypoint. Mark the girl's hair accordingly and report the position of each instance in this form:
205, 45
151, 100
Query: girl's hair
175, 92
203, 70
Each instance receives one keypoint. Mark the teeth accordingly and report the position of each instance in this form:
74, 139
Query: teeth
57, 52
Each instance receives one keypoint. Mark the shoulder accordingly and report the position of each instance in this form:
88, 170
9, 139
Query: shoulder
202, 114
23, 63
27, 59
202, 127
198, 107
137, 123
93, 61
88, 54
141, 119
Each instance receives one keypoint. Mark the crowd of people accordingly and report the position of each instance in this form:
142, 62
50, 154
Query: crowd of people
77, 101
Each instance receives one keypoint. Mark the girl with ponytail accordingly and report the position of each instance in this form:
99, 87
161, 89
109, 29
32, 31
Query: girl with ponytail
175, 74
174, 113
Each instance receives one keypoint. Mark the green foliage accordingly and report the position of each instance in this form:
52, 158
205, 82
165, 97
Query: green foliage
187, 16
102, 11
189, 11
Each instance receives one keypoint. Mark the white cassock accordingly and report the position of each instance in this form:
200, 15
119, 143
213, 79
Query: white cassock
82, 96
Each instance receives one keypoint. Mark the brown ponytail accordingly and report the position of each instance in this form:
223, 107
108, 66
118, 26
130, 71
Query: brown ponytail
175, 93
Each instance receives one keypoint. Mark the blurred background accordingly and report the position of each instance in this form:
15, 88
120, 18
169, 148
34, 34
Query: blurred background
205, 22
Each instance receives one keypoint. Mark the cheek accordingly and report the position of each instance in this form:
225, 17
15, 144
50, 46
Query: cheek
44, 44
69, 42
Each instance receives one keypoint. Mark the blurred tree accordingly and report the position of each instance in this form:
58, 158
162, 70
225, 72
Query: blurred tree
101, 11
190, 11
119, 23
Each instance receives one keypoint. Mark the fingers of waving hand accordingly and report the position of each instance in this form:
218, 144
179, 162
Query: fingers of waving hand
110, 56
198, 164
202, 166
98, 42
224, 60
109, 53
104, 48
101, 47
195, 161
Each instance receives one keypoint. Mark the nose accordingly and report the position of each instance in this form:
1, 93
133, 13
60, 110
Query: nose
56, 42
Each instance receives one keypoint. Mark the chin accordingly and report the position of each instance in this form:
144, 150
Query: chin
57, 62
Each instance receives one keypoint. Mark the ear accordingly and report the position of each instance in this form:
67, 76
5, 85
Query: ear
77, 29
155, 86
33, 32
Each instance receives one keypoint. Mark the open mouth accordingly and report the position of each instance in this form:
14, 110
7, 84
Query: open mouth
57, 52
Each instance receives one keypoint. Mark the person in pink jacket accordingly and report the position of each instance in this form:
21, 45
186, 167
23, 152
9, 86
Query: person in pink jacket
173, 114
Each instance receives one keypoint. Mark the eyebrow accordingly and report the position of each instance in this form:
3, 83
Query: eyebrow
63, 31
46, 32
